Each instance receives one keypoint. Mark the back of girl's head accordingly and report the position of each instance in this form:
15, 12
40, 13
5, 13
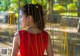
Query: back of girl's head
36, 11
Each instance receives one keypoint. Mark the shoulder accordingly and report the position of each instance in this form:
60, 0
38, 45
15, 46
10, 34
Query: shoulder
46, 33
17, 33
49, 37
16, 41
16, 38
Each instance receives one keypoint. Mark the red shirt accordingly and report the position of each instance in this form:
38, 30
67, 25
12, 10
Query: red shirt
33, 44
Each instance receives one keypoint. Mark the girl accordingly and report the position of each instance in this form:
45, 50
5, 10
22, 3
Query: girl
32, 40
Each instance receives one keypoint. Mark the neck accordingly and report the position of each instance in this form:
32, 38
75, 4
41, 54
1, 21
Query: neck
30, 27
34, 30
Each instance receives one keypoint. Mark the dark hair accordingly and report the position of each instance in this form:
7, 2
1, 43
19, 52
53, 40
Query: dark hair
36, 11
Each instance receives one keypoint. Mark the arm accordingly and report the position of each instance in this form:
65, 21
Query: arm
49, 48
15, 46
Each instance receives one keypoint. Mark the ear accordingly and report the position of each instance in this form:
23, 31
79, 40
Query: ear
30, 18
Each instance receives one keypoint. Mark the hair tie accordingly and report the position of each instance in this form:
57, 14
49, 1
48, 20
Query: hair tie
37, 6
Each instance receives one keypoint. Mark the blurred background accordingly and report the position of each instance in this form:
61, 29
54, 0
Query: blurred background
62, 19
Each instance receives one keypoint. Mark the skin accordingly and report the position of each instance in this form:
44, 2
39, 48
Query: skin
27, 22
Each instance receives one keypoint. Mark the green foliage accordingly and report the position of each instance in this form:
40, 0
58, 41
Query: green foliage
72, 6
58, 7
75, 0
42, 2
23, 2
10, 5
14, 1
63, 1
69, 14
27, 1
67, 6
13, 5
4, 5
